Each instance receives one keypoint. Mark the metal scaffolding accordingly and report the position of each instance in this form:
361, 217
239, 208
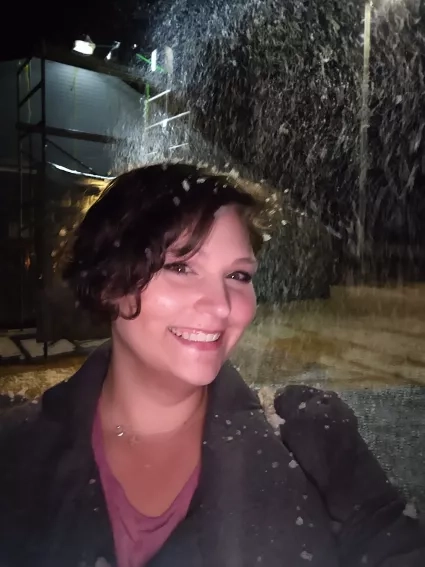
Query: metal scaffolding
33, 143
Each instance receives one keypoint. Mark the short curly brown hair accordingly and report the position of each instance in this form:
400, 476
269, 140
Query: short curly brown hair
122, 240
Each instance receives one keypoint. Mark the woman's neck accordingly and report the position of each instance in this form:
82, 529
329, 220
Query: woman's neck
146, 404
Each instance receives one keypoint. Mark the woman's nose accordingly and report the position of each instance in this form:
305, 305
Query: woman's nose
214, 299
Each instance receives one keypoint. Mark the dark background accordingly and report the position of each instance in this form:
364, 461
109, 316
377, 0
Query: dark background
60, 23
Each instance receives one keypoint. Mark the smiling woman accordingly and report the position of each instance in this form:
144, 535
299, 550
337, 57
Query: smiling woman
156, 452
169, 253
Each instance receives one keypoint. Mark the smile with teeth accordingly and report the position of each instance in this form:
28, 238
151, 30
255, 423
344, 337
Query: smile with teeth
196, 336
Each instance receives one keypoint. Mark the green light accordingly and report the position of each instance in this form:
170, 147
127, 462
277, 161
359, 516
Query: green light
146, 60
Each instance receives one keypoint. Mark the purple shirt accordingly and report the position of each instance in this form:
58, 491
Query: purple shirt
137, 537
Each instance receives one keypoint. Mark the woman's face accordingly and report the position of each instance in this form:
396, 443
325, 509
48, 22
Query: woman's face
194, 312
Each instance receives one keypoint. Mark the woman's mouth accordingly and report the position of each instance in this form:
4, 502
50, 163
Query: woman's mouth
196, 336
200, 341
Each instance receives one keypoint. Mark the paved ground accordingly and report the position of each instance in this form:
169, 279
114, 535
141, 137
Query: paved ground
392, 421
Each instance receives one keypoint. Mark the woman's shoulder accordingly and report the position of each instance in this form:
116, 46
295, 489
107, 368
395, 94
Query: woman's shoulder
322, 430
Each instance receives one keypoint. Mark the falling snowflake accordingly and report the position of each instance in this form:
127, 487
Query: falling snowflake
410, 511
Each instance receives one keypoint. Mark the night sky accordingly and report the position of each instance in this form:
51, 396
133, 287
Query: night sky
60, 23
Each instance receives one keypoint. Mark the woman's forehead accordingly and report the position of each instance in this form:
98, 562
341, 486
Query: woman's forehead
228, 235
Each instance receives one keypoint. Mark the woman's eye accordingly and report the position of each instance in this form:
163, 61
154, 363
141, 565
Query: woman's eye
177, 267
243, 277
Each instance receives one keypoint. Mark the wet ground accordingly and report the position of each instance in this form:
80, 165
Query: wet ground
367, 344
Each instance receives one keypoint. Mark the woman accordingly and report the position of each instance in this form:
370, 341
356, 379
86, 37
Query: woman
156, 452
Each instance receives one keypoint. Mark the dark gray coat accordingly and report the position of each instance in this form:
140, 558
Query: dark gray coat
255, 505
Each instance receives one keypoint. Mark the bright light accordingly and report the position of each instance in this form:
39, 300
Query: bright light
84, 47
115, 46
74, 172
154, 60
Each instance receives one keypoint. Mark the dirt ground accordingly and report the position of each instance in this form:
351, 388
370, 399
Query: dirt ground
360, 337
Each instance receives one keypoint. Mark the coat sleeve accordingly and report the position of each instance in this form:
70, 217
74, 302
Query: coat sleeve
372, 523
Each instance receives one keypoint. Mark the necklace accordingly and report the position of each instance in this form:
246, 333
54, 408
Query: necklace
122, 432
133, 438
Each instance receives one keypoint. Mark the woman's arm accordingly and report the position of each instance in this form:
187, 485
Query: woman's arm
369, 517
